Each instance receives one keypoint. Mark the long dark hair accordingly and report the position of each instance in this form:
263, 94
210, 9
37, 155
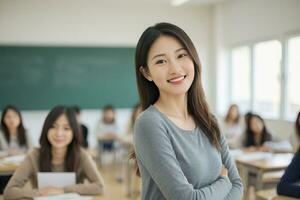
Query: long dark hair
149, 93
266, 136
297, 128
71, 159
21, 134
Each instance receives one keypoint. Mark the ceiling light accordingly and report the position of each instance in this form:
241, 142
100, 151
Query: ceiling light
178, 2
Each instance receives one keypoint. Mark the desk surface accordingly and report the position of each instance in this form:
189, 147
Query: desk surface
273, 162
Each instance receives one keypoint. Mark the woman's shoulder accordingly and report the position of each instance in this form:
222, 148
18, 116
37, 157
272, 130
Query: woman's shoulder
83, 154
34, 153
151, 114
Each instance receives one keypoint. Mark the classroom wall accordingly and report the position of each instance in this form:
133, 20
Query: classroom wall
243, 21
98, 23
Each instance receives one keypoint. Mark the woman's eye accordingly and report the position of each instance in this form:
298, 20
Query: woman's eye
52, 126
67, 128
182, 55
160, 62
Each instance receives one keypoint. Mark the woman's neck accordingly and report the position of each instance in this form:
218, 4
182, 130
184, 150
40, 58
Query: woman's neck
13, 131
58, 155
174, 107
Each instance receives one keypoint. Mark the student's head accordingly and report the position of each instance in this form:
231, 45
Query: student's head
60, 132
256, 128
11, 120
256, 124
233, 114
167, 63
108, 114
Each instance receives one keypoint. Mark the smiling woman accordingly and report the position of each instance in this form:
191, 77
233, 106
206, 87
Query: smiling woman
179, 149
59, 152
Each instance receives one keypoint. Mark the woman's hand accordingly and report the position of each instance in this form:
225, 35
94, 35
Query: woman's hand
50, 191
224, 171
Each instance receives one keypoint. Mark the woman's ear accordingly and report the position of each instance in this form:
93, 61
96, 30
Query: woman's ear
145, 73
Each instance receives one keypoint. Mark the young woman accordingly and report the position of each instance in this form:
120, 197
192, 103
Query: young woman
232, 127
178, 146
59, 152
256, 134
289, 183
295, 137
13, 136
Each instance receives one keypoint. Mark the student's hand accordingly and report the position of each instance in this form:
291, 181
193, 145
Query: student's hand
50, 191
264, 149
111, 136
224, 171
250, 149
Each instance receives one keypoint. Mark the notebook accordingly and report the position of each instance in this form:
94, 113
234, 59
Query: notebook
55, 179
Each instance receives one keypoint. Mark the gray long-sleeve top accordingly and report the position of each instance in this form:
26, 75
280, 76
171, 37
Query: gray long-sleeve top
179, 164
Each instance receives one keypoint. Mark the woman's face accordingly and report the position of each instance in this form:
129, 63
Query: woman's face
233, 112
60, 134
108, 115
12, 119
170, 66
256, 125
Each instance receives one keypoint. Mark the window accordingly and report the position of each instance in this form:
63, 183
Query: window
240, 78
267, 71
293, 79
255, 79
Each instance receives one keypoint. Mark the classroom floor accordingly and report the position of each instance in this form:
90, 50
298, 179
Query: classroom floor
114, 190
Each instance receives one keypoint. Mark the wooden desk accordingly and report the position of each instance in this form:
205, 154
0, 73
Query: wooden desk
7, 167
258, 167
94, 198
271, 195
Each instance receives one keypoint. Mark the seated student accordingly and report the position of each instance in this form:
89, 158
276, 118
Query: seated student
127, 137
289, 184
83, 128
232, 127
107, 129
295, 137
13, 136
256, 134
59, 152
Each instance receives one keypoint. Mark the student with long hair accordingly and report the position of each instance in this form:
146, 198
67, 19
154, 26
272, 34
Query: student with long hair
256, 134
59, 151
179, 149
13, 136
295, 137
289, 183
232, 127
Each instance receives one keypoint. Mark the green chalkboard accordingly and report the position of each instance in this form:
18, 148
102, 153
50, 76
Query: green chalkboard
35, 78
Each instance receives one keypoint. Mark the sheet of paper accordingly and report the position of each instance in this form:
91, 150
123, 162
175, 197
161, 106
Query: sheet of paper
254, 156
55, 179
